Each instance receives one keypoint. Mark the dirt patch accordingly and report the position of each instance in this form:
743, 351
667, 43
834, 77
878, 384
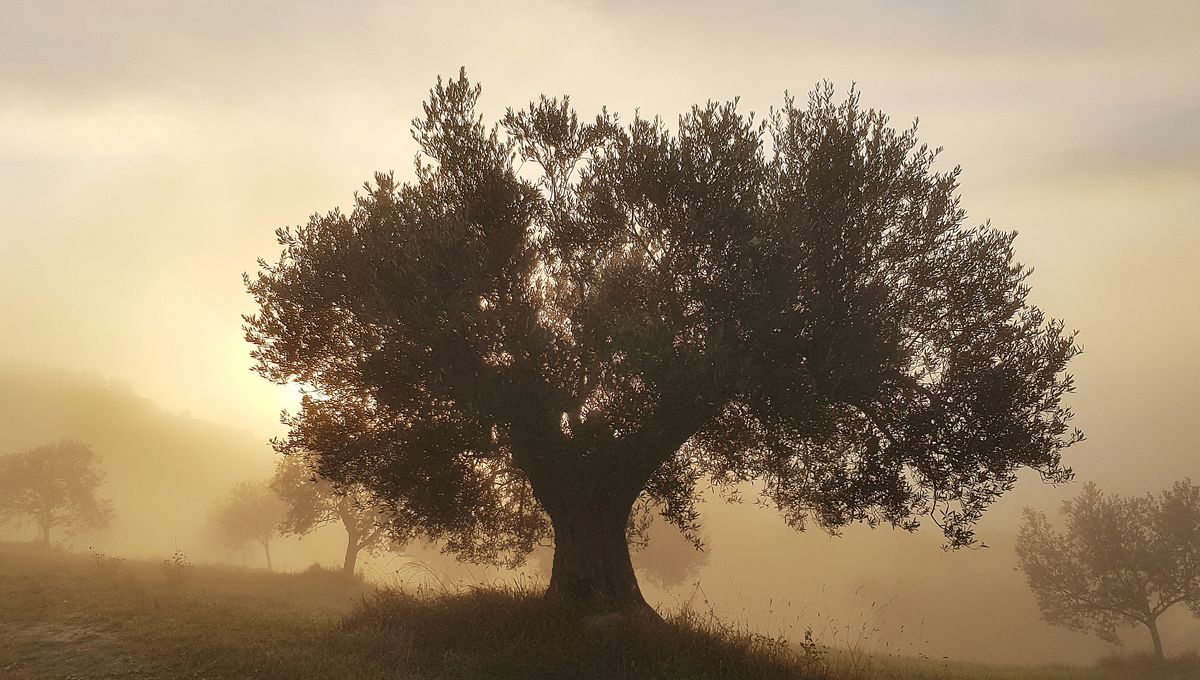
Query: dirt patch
66, 648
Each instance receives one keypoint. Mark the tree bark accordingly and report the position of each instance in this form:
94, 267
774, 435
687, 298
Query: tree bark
267, 549
352, 549
592, 571
45, 534
1152, 624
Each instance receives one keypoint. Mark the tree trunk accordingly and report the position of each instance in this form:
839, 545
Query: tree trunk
592, 571
1152, 624
267, 550
351, 556
45, 534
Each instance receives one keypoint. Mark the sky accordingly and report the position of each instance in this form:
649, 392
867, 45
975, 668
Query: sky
149, 150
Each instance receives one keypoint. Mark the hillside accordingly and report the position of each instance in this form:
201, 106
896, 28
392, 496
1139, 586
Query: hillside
164, 470
78, 616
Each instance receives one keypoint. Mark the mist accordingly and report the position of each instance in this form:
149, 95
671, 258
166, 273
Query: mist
148, 153
883, 590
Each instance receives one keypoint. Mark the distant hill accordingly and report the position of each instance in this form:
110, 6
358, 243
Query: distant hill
164, 470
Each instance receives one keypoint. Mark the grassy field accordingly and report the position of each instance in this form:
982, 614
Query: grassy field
66, 615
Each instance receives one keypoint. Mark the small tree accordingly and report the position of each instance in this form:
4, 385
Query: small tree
251, 512
666, 557
1120, 562
54, 486
313, 502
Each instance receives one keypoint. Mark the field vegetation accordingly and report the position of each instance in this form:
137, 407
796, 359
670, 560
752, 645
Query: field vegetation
70, 615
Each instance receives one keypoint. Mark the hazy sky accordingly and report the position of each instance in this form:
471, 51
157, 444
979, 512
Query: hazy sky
148, 150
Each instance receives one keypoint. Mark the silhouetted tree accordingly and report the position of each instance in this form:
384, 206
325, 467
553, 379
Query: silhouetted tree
54, 486
664, 556
583, 314
1120, 562
251, 512
313, 502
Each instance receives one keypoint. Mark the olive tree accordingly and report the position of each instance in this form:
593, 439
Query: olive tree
1120, 561
558, 318
250, 512
54, 485
312, 502
664, 557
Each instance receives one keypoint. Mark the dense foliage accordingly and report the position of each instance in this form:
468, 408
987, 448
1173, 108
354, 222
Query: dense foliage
558, 318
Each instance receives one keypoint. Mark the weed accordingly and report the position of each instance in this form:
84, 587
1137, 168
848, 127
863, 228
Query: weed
177, 569
108, 567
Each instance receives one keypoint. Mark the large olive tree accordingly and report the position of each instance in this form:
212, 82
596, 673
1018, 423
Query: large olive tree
557, 318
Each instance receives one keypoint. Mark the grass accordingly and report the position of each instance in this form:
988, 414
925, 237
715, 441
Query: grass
73, 616
517, 634
1137, 668
68, 616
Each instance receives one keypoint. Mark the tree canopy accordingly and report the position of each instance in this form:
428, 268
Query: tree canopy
1121, 561
559, 317
251, 512
54, 485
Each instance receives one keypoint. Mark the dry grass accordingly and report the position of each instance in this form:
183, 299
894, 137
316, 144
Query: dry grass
77, 616
64, 615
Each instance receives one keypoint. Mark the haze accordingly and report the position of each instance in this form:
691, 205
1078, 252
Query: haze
148, 151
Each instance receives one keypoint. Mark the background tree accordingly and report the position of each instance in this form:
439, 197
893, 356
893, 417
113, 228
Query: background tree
1120, 562
663, 556
250, 513
54, 486
313, 502
558, 318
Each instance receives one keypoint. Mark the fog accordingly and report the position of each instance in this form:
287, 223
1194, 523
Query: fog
148, 152
868, 589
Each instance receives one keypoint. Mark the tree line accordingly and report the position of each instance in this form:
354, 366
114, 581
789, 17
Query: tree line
58, 487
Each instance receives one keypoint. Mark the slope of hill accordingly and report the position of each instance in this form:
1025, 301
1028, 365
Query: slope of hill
164, 470
64, 615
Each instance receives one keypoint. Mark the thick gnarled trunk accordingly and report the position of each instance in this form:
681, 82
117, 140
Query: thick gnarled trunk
592, 571
589, 498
